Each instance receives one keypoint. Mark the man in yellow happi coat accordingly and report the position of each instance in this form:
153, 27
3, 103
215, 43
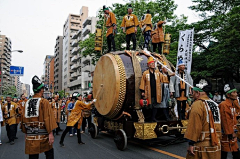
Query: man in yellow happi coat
111, 25
9, 111
204, 127
146, 27
151, 87
76, 118
38, 123
129, 25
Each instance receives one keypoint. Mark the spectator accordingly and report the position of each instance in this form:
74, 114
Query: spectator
217, 97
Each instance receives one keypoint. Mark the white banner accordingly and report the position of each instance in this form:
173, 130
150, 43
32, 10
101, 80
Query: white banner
185, 47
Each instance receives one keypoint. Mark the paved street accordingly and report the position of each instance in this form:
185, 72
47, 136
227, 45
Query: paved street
103, 147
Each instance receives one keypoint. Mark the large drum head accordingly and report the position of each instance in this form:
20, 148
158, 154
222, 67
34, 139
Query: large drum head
109, 85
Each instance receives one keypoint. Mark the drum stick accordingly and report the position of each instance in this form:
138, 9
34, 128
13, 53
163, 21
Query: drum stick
101, 86
169, 70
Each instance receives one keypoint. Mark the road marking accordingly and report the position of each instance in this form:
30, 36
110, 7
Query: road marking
160, 151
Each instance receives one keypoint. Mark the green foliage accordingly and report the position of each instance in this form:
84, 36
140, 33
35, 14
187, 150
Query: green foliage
9, 90
61, 93
217, 35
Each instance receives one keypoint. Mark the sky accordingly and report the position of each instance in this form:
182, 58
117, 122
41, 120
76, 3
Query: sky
33, 26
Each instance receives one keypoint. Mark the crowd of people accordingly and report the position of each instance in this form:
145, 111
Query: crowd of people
40, 118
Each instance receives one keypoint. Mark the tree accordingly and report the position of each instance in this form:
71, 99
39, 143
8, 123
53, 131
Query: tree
9, 90
159, 9
61, 93
217, 35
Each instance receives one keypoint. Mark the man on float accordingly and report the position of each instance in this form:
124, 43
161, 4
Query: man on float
146, 27
129, 26
111, 25
165, 79
204, 126
158, 37
151, 87
229, 121
180, 89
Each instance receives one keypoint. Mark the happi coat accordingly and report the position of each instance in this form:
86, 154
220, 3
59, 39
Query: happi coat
10, 114
229, 121
43, 119
56, 106
111, 21
129, 22
145, 85
76, 113
203, 113
146, 22
157, 34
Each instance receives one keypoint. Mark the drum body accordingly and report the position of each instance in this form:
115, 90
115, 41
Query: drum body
114, 83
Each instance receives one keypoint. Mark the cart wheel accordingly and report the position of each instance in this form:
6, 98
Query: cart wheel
93, 130
120, 139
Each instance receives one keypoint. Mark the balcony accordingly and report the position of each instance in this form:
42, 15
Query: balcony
74, 66
74, 43
74, 75
86, 30
75, 58
75, 21
85, 37
78, 81
87, 22
75, 36
86, 68
74, 51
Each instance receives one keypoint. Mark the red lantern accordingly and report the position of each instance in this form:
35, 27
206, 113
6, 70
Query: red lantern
143, 102
90, 97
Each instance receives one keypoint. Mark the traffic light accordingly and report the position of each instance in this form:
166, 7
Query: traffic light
98, 40
166, 46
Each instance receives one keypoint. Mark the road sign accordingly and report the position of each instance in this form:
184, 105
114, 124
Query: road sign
16, 71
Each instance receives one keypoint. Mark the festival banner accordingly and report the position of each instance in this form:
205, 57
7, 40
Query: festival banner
185, 47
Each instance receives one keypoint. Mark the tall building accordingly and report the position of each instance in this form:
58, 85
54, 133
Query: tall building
47, 80
5, 60
89, 26
58, 54
51, 75
18, 85
71, 60
26, 89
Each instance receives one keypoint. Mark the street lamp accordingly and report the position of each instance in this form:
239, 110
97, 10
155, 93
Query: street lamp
20, 51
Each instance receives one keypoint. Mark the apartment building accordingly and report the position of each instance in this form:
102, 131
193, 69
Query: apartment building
51, 75
89, 26
48, 78
26, 89
71, 59
18, 85
58, 54
5, 60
